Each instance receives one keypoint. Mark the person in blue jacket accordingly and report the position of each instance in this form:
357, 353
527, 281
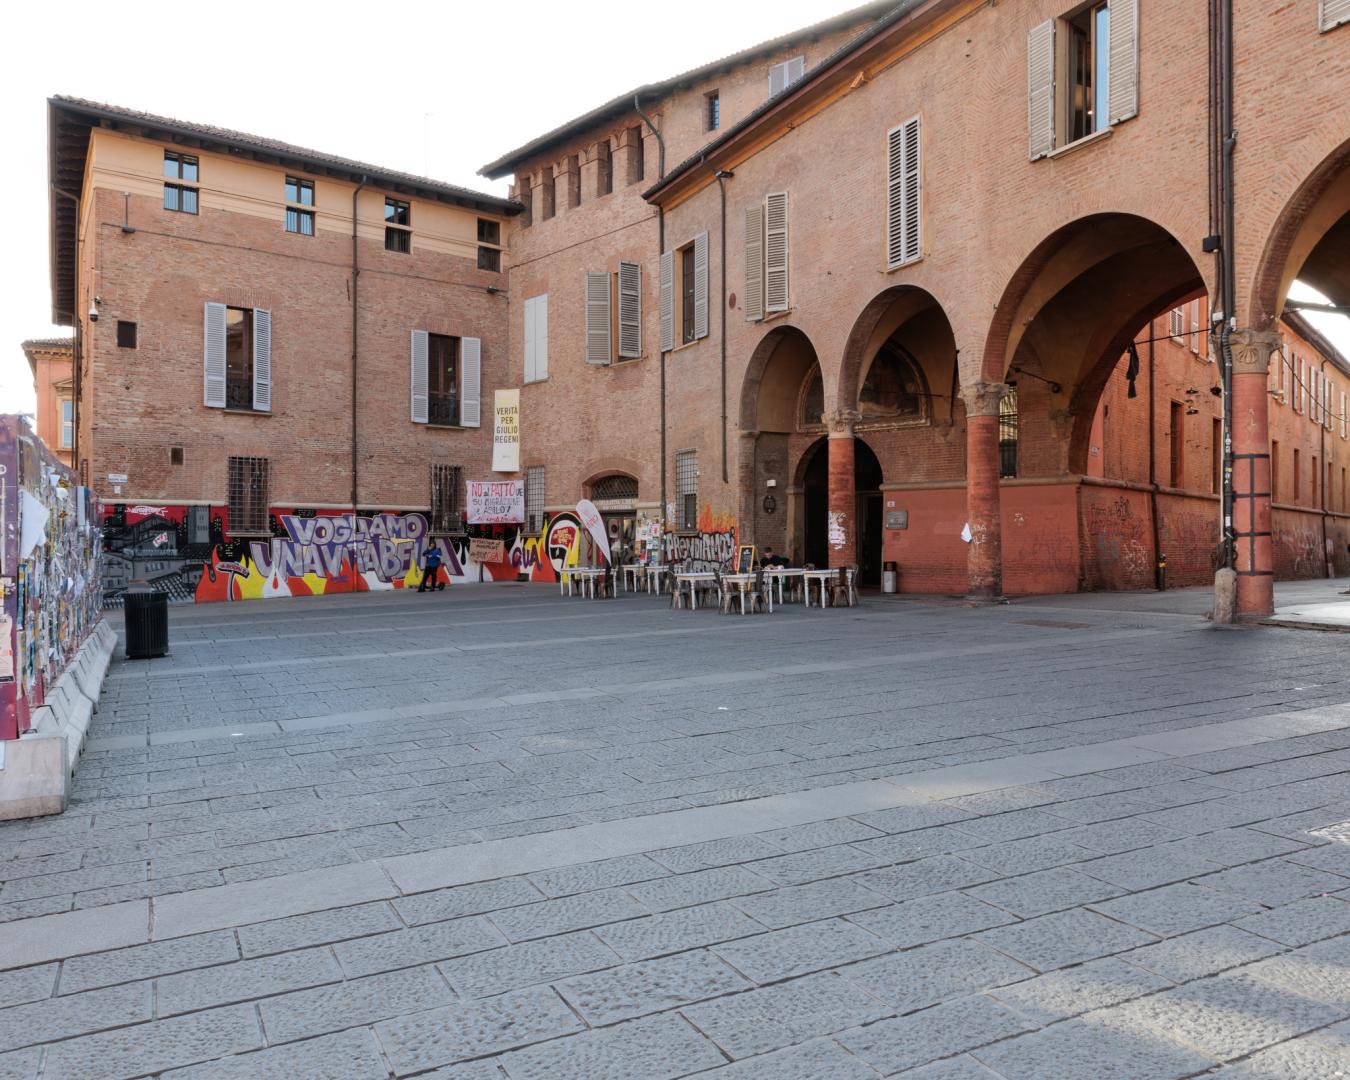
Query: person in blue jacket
431, 568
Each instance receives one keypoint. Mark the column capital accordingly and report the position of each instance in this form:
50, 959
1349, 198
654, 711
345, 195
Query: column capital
840, 423
982, 398
1252, 349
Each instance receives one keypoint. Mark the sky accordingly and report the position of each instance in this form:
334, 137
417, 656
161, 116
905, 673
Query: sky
436, 89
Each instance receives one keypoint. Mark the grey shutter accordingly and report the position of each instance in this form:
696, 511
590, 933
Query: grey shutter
775, 252
667, 301
213, 356
1041, 89
1122, 86
598, 348
754, 263
541, 336
262, 360
418, 365
1331, 13
796, 68
777, 79
904, 241
531, 371
701, 285
630, 309
470, 381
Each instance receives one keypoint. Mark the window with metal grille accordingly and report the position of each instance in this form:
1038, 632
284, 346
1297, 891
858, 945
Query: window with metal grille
534, 499
1009, 424
489, 233
397, 222
614, 489
248, 493
712, 104
446, 516
686, 489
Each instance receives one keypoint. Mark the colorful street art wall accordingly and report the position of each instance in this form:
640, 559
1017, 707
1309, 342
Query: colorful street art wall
49, 572
712, 546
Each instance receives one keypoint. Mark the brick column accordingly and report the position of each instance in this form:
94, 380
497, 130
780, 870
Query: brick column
842, 503
984, 554
1255, 557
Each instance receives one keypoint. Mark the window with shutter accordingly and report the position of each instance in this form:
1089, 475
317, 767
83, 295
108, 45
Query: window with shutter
471, 381
903, 201
1041, 89
262, 360
754, 263
1122, 76
783, 75
1176, 324
597, 318
418, 367
213, 357
701, 285
775, 252
1332, 13
536, 338
630, 310
667, 301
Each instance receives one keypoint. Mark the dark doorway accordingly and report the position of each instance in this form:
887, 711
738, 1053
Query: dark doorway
816, 493
868, 519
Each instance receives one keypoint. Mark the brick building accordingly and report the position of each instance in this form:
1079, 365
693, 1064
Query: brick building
52, 362
781, 298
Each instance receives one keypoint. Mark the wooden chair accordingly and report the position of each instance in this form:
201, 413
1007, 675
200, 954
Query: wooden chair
841, 587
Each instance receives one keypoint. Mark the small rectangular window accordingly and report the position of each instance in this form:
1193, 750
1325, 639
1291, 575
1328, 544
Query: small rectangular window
248, 496
300, 222
489, 259
238, 358
712, 111
397, 226
548, 203
447, 519
175, 455
300, 192
636, 156
180, 197
442, 380
1009, 425
126, 334
180, 166
489, 232
686, 490
687, 293
604, 176
534, 499
67, 423
573, 182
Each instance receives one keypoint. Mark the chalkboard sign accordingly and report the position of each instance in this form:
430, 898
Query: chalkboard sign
745, 559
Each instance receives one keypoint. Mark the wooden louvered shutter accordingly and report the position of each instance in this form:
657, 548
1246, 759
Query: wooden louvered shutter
701, 285
630, 309
213, 356
775, 252
1331, 13
597, 318
262, 360
903, 202
1122, 89
418, 366
667, 301
470, 382
1041, 89
754, 263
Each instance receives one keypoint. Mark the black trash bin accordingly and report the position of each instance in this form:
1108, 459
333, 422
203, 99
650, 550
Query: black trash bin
147, 622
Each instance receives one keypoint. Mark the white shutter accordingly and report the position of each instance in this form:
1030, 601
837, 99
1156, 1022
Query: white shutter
775, 252
1122, 84
667, 301
213, 356
701, 285
796, 68
1331, 13
262, 360
754, 263
541, 336
1041, 89
903, 203
531, 372
470, 381
418, 366
1345, 421
630, 309
598, 347
777, 79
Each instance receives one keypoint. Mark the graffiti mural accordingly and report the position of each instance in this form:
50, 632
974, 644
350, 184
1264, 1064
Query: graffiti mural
50, 572
713, 546
188, 553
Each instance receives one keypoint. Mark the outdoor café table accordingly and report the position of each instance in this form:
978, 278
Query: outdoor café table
654, 574
587, 574
820, 578
693, 579
776, 576
632, 572
741, 582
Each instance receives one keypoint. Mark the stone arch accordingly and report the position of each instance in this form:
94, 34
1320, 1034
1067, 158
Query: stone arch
892, 315
1309, 241
777, 368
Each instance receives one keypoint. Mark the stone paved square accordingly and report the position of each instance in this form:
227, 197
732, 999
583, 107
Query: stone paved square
695, 861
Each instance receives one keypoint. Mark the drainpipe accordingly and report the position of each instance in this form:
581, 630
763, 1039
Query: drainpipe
660, 250
721, 176
356, 278
1160, 560
77, 351
1324, 481
1227, 252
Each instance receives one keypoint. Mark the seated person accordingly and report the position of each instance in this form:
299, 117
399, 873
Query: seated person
769, 560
